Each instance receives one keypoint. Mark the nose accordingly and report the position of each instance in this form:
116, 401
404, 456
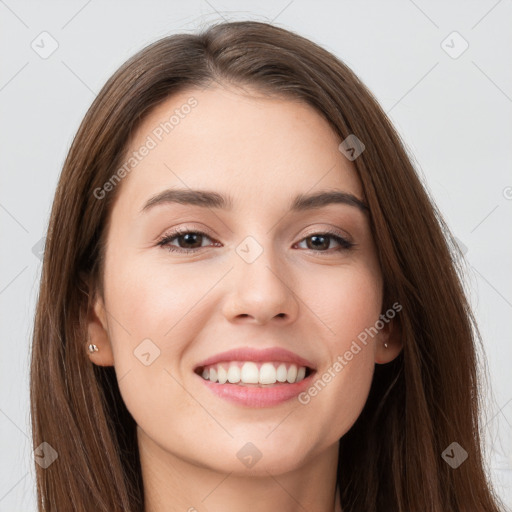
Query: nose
260, 291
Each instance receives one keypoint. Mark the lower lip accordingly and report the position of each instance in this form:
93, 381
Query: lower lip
258, 397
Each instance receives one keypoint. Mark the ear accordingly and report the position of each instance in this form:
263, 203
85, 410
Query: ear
392, 336
97, 329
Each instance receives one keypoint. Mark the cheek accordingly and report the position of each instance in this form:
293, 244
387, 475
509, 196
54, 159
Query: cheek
347, 300
155, 300
156, 309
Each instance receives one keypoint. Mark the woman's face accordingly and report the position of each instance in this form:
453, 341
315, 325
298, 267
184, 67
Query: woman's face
263, 275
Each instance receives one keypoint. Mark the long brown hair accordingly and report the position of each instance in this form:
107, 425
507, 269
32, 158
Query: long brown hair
427, 398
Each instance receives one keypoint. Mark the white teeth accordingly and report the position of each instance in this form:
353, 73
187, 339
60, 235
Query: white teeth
222, 375
234, 373
249, 373
253, 374
292, 374
282, 372
267, 374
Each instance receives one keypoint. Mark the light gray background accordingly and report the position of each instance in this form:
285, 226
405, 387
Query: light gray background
454, 114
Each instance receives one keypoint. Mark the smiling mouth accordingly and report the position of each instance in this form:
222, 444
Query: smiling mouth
254, 374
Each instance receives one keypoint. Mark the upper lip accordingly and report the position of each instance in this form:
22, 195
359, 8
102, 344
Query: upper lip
251, 354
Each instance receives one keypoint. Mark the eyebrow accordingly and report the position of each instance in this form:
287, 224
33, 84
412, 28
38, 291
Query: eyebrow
210, 199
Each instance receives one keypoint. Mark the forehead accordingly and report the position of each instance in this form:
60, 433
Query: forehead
260, 149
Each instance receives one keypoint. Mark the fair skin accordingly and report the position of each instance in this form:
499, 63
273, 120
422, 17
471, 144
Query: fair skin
261, 152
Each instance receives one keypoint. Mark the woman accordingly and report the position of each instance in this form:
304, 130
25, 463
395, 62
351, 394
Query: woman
248, 301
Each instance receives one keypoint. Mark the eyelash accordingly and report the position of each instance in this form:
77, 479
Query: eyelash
166, 239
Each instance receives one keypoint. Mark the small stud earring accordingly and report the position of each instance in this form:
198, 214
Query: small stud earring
93, 348
385, 345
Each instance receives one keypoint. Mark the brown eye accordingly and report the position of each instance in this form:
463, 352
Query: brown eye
188, 241
319, 242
